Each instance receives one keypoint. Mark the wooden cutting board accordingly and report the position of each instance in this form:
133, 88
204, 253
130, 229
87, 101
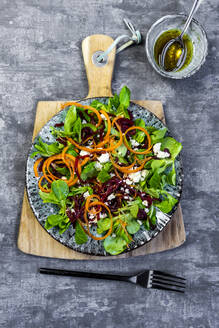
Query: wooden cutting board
32, 238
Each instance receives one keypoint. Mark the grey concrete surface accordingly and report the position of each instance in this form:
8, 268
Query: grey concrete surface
40, 59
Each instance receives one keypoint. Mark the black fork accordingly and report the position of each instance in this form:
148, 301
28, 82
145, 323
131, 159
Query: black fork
147, 279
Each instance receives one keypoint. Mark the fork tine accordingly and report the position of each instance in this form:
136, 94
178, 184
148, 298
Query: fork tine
164, 282
155, 286
164, 279
167, 275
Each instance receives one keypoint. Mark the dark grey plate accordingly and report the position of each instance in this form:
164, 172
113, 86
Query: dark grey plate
94, 247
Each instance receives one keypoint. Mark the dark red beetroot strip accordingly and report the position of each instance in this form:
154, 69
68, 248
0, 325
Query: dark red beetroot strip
40, 167
59, 125
63, 141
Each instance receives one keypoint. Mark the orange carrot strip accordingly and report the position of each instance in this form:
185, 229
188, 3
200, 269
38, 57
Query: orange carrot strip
85, 107
87, 231
35, 167
40, 186
148, 138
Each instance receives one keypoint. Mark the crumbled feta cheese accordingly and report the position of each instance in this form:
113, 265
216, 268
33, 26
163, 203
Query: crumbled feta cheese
98, 166
159, 153
135, 177
145, 203
143, 174
113, 235
127, 190
129, 182
86, 194
103, 116
91, 216
134, 143
72, 210
83, 122
146, 210
83, 153
64, 178
103, 158
112, 174
103, 215
110, 197
140, 222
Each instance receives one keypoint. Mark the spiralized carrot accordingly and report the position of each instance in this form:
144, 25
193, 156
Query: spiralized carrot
35, 167
122, 168
41, 187
87, 231
148, 139
85, 107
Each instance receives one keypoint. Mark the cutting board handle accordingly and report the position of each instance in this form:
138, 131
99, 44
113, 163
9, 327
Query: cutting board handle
99, 78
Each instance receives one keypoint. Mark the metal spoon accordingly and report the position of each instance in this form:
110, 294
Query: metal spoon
180, 42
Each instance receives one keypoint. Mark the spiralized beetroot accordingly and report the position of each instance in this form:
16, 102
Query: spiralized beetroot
59, 125
86, 132
62, 140
126, 123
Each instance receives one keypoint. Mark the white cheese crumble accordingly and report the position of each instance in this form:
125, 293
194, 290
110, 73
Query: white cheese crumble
129, 182
86, 194
146, 210
110, 197
103, 158
112, 174
83, 122
159, 153
143, 174
83, 153
113, 235
140, 222
134, 143
103, 116
135, 177
145, 203
98, 166
91, 216
127, 190
103, 215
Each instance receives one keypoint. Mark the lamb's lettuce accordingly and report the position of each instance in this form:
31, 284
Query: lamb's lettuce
47, 150
89, 171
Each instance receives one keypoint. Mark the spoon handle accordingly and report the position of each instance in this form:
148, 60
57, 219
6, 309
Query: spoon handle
192, 12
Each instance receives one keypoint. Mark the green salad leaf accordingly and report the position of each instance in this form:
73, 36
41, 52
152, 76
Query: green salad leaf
47, 150
103, 176
139, 135
103, 225
89, 171
114, 245
80, 235
70, 120
174, 146
168, 202
124, 97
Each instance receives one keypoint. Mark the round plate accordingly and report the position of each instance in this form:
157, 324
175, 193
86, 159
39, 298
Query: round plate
42, 210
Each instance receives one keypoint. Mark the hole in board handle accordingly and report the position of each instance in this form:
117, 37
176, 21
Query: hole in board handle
95, 61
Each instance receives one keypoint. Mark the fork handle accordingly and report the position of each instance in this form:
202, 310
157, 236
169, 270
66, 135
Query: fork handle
84, 274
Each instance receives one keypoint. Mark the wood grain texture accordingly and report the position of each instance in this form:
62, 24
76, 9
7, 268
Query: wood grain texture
99, 78
33, 239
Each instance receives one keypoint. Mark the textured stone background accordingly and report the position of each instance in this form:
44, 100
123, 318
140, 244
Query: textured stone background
40, 59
